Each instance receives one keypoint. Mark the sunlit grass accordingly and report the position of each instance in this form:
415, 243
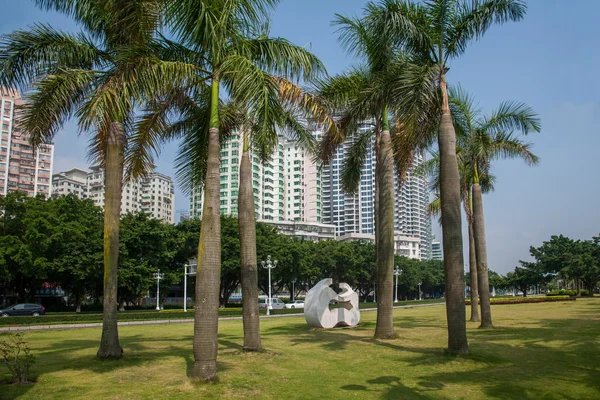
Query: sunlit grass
536, 351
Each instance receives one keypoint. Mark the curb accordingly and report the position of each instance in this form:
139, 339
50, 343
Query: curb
166, 321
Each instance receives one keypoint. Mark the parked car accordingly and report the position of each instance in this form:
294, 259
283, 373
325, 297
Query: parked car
295, 304
277, 304
23, 309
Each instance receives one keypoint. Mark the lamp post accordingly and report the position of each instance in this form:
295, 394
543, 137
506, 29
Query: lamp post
158, 276
397, 273
420, 283
269, 265
188, 269
293, 296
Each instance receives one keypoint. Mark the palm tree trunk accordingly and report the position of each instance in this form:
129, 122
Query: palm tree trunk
385, 245
248, 263
481, 254
474, 276
206, 318
472, 260
451, 231
113, 181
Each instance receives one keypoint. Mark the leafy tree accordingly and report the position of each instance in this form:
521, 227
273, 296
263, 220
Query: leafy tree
528, 274
102, 76
430, 34
75, 250
572, 259
147, 245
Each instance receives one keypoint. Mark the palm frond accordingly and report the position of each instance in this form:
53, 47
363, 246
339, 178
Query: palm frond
354, 161
28, 55
279, 57
475, 17
53, 101
512, 116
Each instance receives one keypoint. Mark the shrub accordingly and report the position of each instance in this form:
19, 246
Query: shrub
563, 292
584, 292
529, 299
17, 357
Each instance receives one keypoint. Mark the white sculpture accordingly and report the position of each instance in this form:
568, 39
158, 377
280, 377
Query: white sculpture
316, 306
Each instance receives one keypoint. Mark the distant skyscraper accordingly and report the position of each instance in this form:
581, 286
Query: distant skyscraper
411, 199
153, 194
267, 183
349, 213
436, 250
22, 168
286, 188
355, 214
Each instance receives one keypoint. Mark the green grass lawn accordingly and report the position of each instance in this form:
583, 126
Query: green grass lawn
537, 351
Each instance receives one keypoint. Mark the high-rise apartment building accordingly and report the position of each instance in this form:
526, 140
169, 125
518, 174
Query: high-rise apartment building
411, 200
355, 214
22, 168
349, 213
287, 189
73, 181
153, 194
267, 183
436, 250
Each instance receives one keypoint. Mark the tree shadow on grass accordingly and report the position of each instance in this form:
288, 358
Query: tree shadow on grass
139, 350
391, 386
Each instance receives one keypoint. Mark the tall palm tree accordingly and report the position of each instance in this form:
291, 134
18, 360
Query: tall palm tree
486, 139
430, 34
360, 98
225, 38
101, 75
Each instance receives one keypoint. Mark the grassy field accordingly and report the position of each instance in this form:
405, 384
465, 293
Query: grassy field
537, 351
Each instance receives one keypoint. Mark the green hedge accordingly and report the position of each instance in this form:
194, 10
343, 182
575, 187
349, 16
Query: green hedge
571, 293
533, 299
52, 319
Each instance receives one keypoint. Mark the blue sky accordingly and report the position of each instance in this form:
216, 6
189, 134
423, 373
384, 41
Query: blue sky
549, 61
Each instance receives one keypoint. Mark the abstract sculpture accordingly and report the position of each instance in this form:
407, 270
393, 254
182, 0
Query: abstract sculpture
316, 306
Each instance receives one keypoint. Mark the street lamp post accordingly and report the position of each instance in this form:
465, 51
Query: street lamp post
420, 283
293, 296
269, 265
188, 269
158, 276
397, 273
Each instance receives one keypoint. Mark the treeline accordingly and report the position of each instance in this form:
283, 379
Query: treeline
58, 243
560, 263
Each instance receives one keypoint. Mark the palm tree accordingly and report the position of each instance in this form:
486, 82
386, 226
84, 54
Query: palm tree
360, 98
225, 39
487, 139
430, 34
101, 76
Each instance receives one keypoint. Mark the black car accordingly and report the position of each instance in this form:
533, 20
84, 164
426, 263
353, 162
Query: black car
23, 309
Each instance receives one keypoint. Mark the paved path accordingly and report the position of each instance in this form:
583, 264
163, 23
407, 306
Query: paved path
164, 321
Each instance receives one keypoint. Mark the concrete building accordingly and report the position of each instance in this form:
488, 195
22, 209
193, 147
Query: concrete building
267, 182
404, 245
302, 180
22, 168
349, 213
436, 250
411, 199
153, 194
286, 187
314, 231
73, 181
355, 214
